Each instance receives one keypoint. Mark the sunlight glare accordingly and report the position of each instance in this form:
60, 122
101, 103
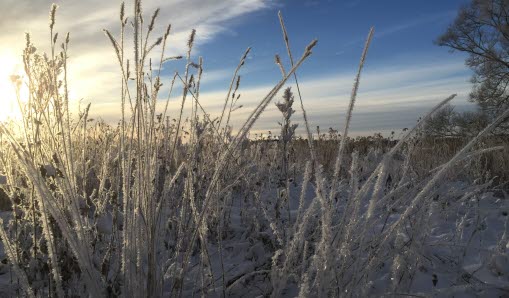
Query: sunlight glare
10, 65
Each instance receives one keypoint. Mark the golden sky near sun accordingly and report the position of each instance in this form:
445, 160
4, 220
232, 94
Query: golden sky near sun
10, 64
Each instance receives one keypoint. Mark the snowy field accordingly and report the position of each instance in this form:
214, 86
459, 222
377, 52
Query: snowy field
453, 243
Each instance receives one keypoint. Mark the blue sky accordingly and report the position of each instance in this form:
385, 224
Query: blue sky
405, 31
402, 50
404, 76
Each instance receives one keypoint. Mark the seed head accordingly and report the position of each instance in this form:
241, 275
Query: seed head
27, 38
153, 20
245, 54
311, 45
277, 59
158, 41
280, 65
52, 14
168, 29
122, 12
238, 83
191, 39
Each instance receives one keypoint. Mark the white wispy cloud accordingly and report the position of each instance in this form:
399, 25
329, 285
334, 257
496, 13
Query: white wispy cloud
94, 73
425, 19
384, 31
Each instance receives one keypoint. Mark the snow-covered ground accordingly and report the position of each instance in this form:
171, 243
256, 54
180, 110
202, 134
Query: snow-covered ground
454, 244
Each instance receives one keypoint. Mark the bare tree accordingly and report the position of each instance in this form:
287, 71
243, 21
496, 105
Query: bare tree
481, 29
470, 123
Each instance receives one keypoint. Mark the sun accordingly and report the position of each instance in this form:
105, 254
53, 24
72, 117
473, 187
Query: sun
10, 65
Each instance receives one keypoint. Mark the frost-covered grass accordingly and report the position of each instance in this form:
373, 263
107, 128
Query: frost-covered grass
161, 205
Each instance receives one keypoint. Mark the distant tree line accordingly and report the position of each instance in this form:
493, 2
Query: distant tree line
449, 123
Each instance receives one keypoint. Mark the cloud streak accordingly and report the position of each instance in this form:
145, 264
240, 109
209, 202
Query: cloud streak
94, 73
396, 28
390, 98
